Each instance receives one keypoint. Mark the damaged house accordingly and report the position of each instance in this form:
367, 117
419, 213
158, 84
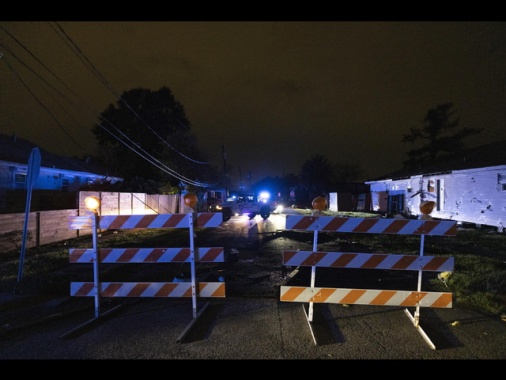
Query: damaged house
59, 179
469, 187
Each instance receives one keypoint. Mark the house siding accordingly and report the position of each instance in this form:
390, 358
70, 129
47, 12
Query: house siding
471, 195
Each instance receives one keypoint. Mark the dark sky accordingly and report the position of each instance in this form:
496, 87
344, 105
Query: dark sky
273, 93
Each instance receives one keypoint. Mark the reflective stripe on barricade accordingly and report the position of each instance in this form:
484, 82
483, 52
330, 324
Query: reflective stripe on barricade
366, 297
148, 289
371, 225
367, 261
147, 255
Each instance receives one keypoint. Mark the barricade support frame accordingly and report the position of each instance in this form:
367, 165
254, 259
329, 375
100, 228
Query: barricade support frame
167, 289
315, 258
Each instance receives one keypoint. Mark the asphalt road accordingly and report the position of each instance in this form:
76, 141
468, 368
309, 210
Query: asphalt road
250, 322
257, 328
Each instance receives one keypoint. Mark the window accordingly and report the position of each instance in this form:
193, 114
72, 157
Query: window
430, 186
64, 185
395, 204
440, 196
501, 181
20, 178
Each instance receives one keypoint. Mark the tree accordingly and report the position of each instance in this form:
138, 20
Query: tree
145, 133
441, 134
346, 173
316, 176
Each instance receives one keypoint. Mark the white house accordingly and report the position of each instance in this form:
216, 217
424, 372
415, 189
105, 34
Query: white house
471, 192
58, 173
13, 176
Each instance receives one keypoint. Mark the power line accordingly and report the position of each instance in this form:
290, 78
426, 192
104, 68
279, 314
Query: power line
137, 150
40, 103
106, 83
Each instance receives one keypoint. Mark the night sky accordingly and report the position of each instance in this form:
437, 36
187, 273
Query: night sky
272, 93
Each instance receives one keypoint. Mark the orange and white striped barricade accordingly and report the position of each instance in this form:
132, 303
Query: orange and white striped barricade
404, 298
189, 255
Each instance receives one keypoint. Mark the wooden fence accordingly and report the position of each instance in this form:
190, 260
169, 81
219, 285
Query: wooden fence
45, 227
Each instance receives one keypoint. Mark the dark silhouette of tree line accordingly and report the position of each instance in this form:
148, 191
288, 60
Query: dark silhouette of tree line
146, 139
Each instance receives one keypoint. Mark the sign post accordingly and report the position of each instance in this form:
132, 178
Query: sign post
31, 176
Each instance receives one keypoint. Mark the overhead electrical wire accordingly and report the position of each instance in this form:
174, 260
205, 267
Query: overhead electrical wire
136, 150
106, 83
160, 165
38, 101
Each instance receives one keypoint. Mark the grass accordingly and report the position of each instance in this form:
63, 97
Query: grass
478, 280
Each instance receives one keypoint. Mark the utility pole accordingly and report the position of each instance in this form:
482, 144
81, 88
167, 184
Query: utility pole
225, 169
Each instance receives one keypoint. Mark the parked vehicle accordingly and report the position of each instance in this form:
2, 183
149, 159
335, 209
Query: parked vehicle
247, 204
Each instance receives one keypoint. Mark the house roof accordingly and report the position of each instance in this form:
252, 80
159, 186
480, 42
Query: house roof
493, 154
15, 149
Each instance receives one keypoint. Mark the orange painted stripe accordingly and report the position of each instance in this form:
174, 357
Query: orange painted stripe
352, 296
383, 297
452, 231
117, 222
426, 227
304, 223
373, 261
313, 258
154, 255
173, 221
203, 219
413, 299
365, 225
111, 290
146, 221
182, 255
404, 262
85, 289
76, 255
435, 263
188, 292
343, 260
102, 254
219, 292
335, 224
322, 295
292, 294
138, 289
444, 301
211, 255
287, 256
166, 290
127, 255
395, 226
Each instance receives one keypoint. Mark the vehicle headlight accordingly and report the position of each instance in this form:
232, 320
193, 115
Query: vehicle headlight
279, 209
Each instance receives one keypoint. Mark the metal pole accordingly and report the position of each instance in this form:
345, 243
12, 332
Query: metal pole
313, 275
419, 285
32, 175
192, 266
96, 287
225, 169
